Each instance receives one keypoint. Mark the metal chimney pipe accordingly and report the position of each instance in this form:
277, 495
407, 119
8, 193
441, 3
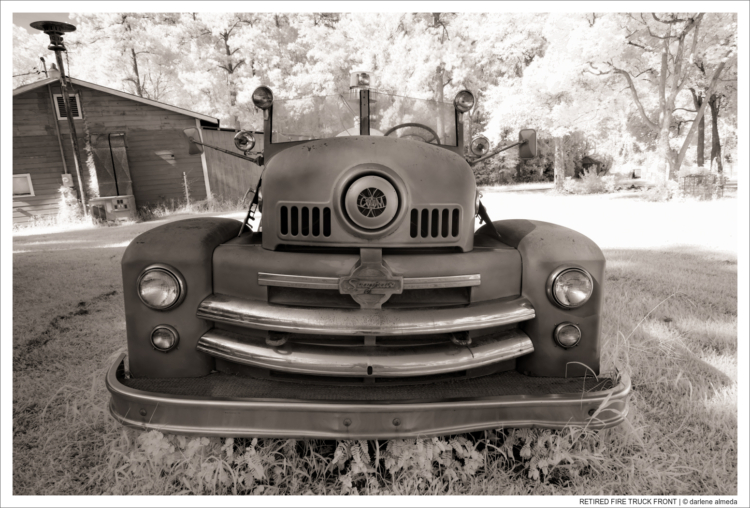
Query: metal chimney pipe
55, 30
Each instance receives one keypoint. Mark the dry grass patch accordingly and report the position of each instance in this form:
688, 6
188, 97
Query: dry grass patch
670, 320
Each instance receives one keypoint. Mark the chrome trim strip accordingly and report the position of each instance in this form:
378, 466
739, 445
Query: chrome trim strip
297, 281
301, 419
326, 321
311, 282
375, 361
452, 281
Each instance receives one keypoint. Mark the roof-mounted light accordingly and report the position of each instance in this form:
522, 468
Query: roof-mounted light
360, 79
464, 101
263, 97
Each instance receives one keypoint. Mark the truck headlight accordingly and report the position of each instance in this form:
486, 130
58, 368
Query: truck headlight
570, 287
164, 338
567, 335
161, 287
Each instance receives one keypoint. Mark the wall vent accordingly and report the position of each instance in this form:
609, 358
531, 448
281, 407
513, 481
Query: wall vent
74, 109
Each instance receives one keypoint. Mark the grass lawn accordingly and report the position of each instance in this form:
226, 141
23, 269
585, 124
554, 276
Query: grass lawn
670, 320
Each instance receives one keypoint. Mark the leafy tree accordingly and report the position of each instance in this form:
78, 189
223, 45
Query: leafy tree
130, 51
555, 95
27, 48
662, 47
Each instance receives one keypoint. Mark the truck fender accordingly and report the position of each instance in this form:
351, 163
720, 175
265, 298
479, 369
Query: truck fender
187, 246
545, 247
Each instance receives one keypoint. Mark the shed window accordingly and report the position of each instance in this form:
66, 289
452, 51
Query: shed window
60, 106
22, 186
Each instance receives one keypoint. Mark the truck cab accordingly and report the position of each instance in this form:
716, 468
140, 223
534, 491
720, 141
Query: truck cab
367, 305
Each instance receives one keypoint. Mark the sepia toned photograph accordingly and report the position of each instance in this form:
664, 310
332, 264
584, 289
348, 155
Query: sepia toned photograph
375, 252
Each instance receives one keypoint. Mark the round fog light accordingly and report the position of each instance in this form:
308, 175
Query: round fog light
567, 335
164, 338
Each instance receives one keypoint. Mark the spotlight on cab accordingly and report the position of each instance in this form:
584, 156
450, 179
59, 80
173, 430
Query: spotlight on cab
244, 140
480, 145
464, 101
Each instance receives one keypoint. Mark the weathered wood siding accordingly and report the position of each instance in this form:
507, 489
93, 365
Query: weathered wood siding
35, 151
229, 177
148, 129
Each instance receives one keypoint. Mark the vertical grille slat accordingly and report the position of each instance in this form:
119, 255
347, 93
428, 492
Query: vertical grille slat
425, 224
326, 222
316, 221
414, 223
455, 222
305, 221
295, 221
284, 220
444, 223
435, 223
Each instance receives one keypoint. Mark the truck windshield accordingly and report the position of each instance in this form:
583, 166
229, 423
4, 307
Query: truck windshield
339, 115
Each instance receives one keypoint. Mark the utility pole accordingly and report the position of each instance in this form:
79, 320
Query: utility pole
55, 31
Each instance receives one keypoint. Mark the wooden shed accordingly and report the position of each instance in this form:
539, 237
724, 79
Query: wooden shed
591, 164
147, 134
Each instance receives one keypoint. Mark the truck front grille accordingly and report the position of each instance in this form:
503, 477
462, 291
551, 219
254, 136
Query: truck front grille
305, 221
435, 223
408, 299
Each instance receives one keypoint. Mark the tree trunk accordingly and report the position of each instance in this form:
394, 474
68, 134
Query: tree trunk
701, 144
439, 86
713, 102
559, 165
699, 115
138, 88
663, 152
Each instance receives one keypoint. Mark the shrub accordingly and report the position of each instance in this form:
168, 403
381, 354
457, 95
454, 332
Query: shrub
69, 208
662, 192
589, 183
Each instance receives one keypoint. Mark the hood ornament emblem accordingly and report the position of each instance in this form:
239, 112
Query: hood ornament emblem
371, 202
371, 283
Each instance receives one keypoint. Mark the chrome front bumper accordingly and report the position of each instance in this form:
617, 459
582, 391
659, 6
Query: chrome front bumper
380, 322
208, 415
377, 361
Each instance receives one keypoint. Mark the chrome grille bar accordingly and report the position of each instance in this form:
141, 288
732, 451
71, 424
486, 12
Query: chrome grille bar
381, 322
310, 282
375, 361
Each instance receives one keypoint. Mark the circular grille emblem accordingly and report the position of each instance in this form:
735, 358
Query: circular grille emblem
371, 202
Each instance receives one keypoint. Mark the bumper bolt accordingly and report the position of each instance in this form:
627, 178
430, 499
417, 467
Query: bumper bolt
347, 422
143, 412
396, 422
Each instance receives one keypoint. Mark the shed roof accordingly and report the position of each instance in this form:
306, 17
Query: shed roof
168, 107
